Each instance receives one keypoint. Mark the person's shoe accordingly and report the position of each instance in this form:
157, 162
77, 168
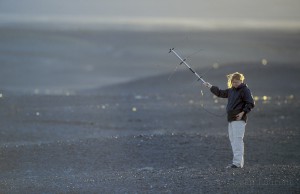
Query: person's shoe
232, 166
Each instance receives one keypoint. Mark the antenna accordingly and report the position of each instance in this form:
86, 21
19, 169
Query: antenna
183, 61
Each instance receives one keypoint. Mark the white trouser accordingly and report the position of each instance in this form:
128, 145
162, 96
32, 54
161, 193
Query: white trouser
236, 131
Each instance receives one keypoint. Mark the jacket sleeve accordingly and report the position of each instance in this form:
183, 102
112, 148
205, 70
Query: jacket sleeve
248, 99
220, 93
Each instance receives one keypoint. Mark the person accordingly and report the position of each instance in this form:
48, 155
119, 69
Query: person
240, 103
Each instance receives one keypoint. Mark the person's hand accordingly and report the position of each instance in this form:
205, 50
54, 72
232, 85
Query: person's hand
206, 84
239, 116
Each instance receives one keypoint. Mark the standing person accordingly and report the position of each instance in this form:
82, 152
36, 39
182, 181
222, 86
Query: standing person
240, 103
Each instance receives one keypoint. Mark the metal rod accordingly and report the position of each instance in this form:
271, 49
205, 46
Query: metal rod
183, 61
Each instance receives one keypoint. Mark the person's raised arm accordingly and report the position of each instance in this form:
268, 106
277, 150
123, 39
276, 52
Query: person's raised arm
216, 91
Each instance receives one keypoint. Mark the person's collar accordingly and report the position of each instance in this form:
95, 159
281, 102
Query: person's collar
241, 86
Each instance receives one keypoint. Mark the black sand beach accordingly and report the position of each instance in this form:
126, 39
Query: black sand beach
93, 111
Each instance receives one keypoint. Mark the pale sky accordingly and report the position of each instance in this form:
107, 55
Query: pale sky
254, 9
282, 13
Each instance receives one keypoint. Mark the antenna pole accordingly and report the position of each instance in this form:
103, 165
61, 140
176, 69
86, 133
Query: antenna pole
184, 62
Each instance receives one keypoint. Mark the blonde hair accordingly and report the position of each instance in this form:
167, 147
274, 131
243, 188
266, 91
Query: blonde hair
236, 76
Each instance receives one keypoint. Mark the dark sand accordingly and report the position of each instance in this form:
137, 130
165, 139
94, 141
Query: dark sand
150, 135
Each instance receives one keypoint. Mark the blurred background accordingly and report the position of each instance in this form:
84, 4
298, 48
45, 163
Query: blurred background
60, 47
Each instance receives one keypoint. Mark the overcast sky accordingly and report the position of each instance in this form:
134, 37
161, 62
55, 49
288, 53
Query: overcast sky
149, 14
242, 9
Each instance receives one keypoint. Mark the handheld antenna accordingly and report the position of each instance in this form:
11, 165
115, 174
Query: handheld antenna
183, 61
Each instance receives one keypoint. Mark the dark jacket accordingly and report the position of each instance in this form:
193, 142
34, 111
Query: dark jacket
239, 99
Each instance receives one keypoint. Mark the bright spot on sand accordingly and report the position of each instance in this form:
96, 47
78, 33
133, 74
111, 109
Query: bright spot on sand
289, 97
138, 97
191, 102
266, 99
134, 109
263, 98
37, 114
36, 91
264, 61
103, 107
216, 65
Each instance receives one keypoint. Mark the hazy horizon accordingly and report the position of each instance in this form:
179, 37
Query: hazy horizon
272, 14
60, 45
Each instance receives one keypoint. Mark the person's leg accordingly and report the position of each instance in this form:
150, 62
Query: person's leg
230, 131
238, 131
230, 134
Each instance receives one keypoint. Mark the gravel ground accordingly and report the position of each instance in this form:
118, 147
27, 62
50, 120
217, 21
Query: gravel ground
148, 135
119, 141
